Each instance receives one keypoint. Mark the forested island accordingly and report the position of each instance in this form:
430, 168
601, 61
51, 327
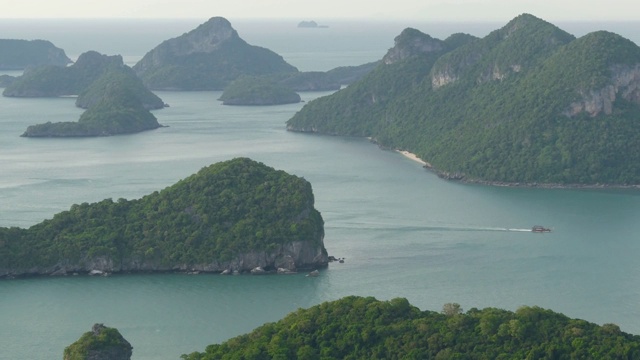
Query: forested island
101, 343
365, 328
232, 216
16, 54
528, 104
206, 58
258, 91
116, 100
213, 55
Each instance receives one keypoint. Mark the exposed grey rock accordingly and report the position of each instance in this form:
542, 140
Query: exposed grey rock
624, 82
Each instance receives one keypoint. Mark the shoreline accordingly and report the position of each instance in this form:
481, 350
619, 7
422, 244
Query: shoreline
414, 157
460, 178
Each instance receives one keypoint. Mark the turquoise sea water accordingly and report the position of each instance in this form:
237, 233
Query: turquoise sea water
403, 231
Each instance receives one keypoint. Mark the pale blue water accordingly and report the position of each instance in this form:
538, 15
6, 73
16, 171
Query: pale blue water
403, 231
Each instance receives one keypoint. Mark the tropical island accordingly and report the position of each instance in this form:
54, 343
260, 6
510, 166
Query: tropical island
112, 110
233, 216
311, 24
528, 104
258, 91
365, 328
101, 343
79, 78
116, 100
18, 54
207, 58
212, 56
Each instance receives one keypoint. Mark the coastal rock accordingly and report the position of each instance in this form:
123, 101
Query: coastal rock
101, 343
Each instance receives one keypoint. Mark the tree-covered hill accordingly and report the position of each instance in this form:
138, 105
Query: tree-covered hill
87, 77
528, 103
234, 215
365, 328
115, 106
247, 90
207, 58
21, 54
51, 81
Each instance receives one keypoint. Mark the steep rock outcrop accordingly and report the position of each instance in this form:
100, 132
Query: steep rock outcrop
624, 83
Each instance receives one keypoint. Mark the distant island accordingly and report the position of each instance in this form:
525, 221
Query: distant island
234, 216
22, 54
213, 55
528, 104
91, 66
207, 58
258, 91
311, 24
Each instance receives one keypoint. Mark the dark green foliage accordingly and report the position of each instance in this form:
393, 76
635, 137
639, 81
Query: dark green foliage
115, 108
22, 54
365, 328
102, 343
248, 90
114, 79
497, 109
224, 210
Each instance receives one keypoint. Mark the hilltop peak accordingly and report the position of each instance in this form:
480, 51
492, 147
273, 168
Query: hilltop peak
412, 42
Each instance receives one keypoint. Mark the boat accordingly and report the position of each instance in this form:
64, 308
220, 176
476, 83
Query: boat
539, 229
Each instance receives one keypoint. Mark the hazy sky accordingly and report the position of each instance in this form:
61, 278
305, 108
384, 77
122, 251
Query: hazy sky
494, 10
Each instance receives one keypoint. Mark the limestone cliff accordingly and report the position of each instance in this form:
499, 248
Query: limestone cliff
624, 83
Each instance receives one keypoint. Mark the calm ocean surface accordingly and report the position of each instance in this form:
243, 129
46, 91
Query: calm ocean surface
403, 231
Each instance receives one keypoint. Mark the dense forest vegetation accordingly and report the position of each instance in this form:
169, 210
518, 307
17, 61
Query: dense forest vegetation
21, 54
224, 210
365, 328
101, 343
248, 90
115, 106
528, 103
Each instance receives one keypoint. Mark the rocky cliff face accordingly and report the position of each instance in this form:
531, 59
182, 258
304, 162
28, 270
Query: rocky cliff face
624, 83
294, 256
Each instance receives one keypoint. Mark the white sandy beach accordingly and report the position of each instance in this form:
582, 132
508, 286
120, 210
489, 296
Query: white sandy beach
413, 157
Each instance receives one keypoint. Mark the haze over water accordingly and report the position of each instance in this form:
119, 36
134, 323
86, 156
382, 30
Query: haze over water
403, 231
